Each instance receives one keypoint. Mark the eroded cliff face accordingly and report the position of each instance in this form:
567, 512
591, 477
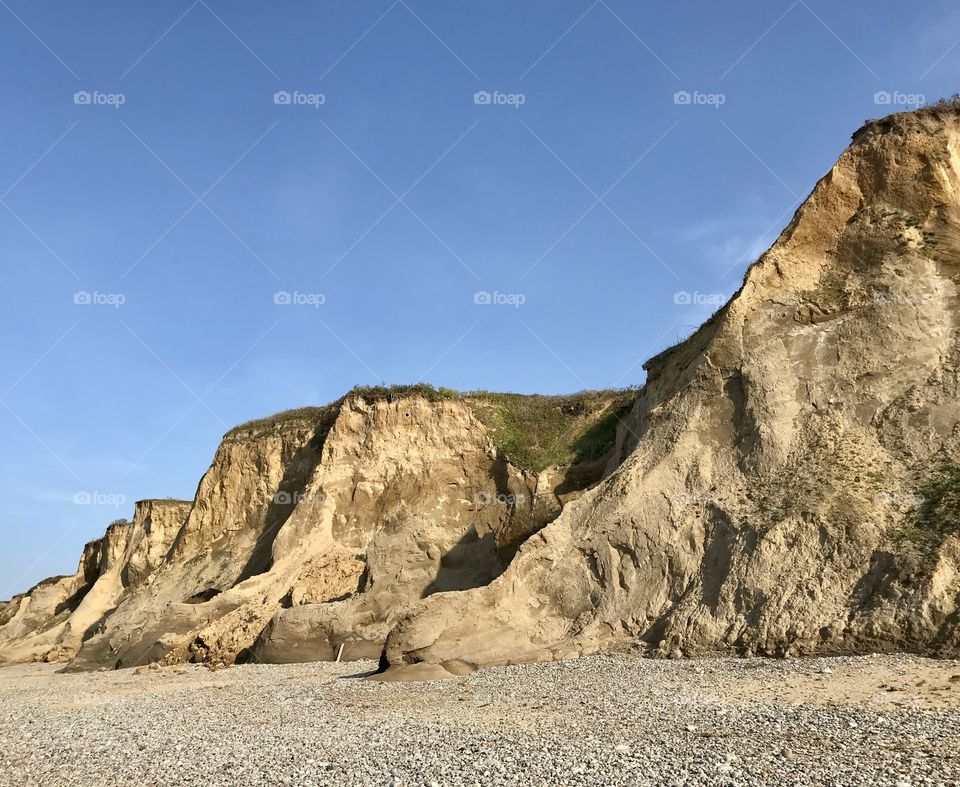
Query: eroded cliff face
210, 572
791, 470
410, 497
311, 534
50, 621
788, 480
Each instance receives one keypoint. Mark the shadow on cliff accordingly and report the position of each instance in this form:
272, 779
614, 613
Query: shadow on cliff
296, 475
472, 562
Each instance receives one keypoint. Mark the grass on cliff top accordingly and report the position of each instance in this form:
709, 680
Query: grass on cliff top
661, 357
533, 431
379, 393
938, 516
536, 432
939, 108
299, 416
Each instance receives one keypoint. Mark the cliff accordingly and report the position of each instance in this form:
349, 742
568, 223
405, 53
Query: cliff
792, 469
314, 530
786, 482
51, 620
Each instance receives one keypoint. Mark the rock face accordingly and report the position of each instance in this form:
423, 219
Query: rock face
50, 621
787, 481
790, 481
313, 532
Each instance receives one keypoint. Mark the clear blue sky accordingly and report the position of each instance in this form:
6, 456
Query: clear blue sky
581, 193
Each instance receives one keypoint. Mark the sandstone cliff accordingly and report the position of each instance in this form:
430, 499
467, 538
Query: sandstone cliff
791, 478
313, 531
51, 620
787, 481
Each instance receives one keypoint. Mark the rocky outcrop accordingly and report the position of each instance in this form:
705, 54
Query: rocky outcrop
417, 495
313, 531
212, 569
791, 475
50, 621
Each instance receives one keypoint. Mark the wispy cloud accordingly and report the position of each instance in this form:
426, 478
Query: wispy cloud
729, 244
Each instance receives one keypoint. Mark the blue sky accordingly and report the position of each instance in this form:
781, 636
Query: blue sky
158, 191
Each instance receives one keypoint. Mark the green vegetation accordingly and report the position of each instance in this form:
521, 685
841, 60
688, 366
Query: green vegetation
942, 106
378, 393
659, 360
938, 515
533, 431
831, 294
536, 432
661, 357
939, 108
301, 416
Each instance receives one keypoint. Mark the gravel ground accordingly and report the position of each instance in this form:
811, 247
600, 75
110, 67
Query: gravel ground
600, 720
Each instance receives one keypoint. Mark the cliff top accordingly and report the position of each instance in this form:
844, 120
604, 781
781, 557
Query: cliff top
534, 431
939, 110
